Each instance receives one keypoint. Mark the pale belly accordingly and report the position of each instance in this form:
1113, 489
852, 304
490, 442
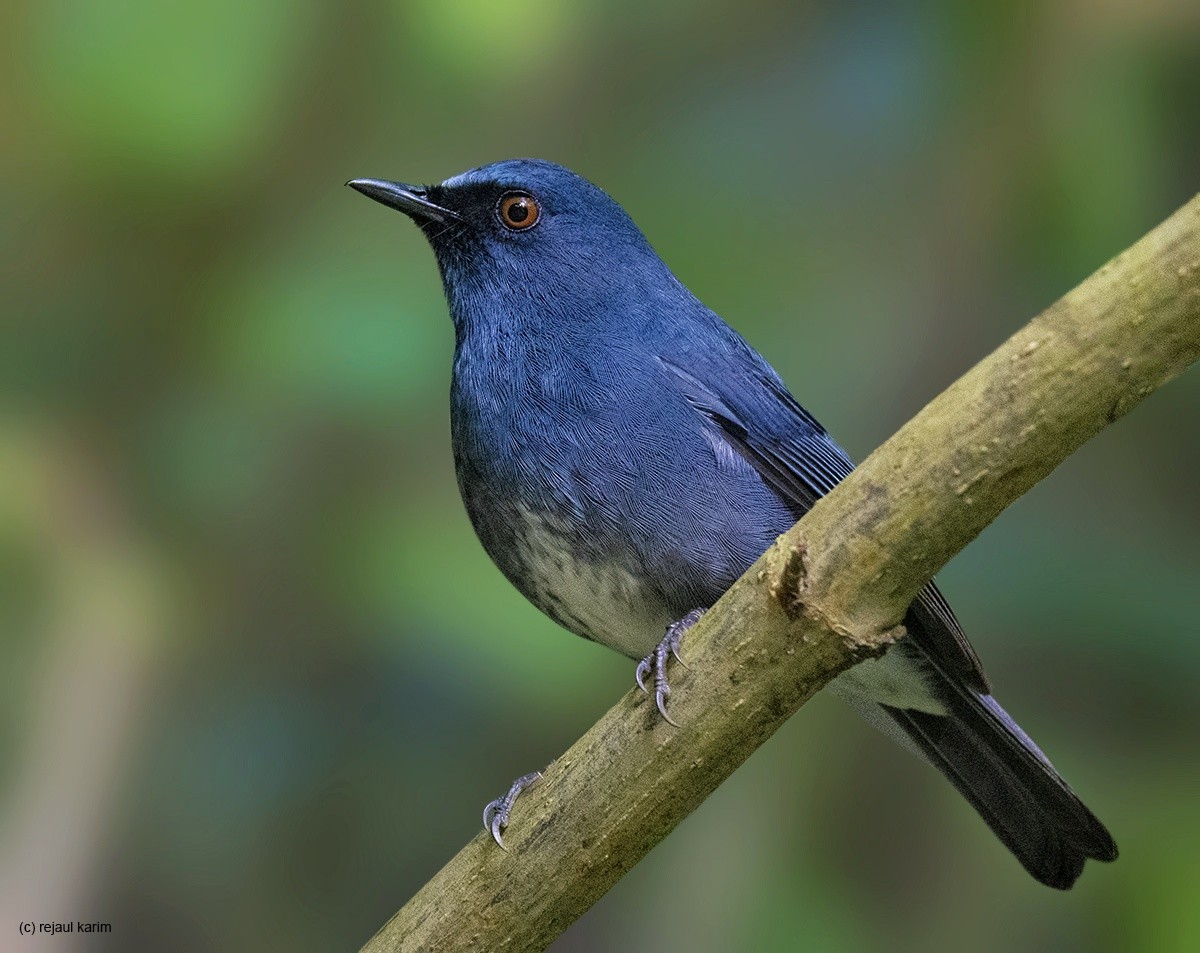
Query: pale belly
600, 600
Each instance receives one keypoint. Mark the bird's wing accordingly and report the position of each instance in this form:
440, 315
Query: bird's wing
757, 416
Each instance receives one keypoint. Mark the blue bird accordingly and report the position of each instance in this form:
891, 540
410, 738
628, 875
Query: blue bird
625, 455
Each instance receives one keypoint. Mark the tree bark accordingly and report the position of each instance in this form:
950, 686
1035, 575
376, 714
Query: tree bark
829, 593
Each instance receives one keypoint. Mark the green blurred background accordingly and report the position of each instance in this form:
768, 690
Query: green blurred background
258, 677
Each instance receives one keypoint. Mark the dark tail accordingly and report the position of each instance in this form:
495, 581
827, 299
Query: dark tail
1013, 786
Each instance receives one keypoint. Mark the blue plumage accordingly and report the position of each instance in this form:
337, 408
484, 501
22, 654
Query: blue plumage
624, 456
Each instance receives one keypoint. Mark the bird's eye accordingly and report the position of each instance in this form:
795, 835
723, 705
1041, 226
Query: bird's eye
518, 211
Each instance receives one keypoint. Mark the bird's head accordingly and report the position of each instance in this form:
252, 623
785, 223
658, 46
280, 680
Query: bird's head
526, 233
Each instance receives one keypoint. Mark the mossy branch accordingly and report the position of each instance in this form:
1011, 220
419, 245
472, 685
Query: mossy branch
829, 593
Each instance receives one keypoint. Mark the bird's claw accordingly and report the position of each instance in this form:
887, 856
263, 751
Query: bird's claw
641, 672
656, 661
495, 813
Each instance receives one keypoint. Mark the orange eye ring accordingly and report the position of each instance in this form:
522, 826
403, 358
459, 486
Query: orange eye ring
518, 211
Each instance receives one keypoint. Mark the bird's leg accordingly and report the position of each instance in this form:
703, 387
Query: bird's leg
495, 814
657, 661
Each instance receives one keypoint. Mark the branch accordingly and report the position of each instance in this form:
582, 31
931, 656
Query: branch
829, 593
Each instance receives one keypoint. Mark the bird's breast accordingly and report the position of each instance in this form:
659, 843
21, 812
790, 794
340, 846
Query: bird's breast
599, 493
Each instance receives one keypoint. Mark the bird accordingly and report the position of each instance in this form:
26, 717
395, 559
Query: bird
624, 455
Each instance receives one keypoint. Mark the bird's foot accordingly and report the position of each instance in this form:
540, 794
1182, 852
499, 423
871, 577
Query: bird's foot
495, 814
656, 661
